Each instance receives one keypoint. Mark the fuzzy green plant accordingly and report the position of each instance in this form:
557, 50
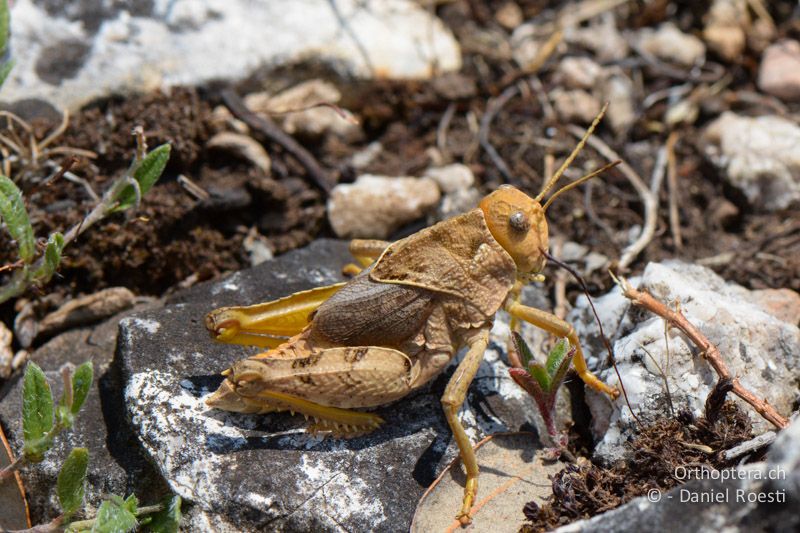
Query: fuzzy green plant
37, 268
42, 421
542, 381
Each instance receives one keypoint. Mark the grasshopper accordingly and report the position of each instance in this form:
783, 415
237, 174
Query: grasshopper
397, 324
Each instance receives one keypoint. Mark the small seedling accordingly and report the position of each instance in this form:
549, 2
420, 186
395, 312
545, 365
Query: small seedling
124, 193
543, 381
42, 421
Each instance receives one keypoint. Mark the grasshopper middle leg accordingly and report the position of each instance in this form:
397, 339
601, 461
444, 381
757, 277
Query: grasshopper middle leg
454, 396
365, 251
555, 325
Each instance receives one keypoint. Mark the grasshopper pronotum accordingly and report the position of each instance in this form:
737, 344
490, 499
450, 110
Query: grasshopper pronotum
398, 322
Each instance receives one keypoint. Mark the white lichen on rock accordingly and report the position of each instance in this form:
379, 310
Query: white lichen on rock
761, 350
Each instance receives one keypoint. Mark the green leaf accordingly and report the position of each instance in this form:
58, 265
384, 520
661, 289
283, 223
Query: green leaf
523, 350
5, 70
72, 480
81, 383
168, 520
4, 24
64, 416
37, 412
131, 503
12, 210
556, 356
114, 516
146, 175
558, 375
52, 258
538, 373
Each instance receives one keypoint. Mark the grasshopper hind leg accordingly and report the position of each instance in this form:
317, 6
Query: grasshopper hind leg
326, 420
324, 385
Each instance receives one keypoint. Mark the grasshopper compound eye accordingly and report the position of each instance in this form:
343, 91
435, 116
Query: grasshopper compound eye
519, 222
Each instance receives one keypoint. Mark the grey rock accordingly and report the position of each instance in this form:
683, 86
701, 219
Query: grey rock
70, 53
757, 497
250, 472
116, 462
760, 349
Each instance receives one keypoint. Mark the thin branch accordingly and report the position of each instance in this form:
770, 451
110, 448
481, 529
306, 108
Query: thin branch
708, 350
269, 129
765, 439
648, 198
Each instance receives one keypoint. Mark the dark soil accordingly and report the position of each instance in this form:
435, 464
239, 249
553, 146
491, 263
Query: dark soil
583, 490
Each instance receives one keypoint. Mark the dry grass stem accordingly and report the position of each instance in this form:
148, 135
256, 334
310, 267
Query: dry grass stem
648, 198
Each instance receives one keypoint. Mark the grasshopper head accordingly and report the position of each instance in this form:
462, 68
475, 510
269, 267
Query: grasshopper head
517, 223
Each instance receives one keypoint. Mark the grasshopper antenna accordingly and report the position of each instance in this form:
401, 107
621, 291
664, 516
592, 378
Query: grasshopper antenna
577, 182
552, 181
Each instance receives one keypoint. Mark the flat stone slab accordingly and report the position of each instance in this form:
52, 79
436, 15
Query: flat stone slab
249, 472
70, 53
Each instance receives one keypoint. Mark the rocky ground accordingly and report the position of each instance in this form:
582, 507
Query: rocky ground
704, 103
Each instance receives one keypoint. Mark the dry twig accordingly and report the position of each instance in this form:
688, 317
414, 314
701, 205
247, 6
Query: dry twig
672, 183
271, 130
708, 350
648, 198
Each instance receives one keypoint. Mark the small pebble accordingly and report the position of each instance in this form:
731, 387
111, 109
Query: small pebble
671, 44
578, 72
618, 92
779, 73
760, 156
509, 15
375, 206
575, 105
6, 354
725, 28
451, 178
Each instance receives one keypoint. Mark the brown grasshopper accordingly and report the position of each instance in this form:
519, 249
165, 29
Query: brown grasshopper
398, 322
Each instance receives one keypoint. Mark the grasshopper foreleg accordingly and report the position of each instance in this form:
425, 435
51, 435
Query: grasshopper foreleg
551, 323
454, 396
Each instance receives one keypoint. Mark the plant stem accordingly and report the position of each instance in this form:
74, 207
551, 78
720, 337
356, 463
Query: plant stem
87, 524
9, 470
49, 527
